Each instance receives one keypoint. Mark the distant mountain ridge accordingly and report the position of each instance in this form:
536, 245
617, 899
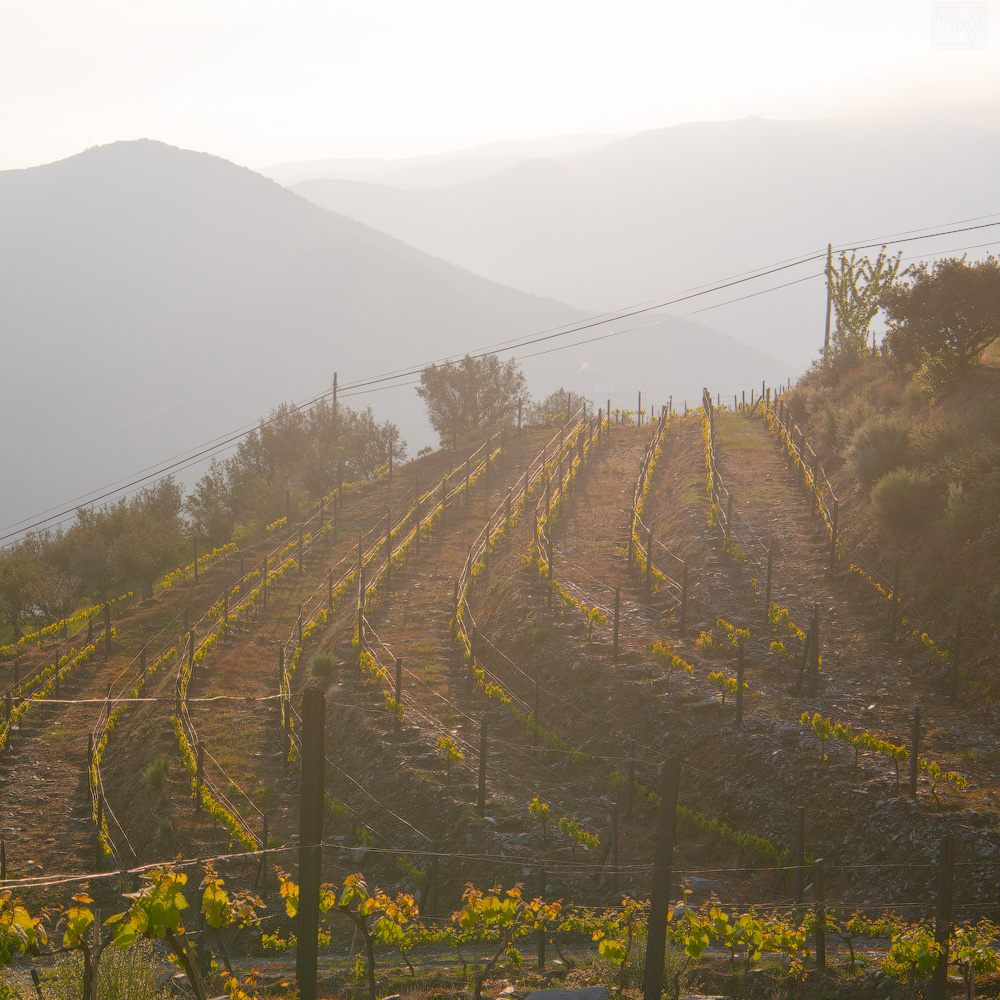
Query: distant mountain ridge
152, 298
662, 211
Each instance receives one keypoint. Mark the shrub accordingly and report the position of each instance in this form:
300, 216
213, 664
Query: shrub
322, 665
156, 772
265, 798
904, 501
858, 413
878, 446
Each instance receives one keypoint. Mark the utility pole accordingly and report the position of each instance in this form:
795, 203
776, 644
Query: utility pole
829, 271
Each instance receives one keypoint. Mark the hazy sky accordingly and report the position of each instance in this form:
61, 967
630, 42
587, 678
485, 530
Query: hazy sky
263, 82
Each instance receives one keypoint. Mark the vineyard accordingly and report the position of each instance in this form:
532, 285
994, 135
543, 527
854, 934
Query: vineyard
492, 686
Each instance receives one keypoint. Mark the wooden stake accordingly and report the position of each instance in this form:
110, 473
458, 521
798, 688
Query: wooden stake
684, 598
656, 941
618, 606
310, 839
631, 778
956, 648
914, 752
649, 564
199, 776
481, 792
819, 894
767, 592
399, 693
942, 918
800, 854
739, 686
833, 536
894, 603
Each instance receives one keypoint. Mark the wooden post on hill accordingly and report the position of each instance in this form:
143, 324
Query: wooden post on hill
767, 590
281, 668
534, 716
470, 679
264, 837
814, 655
739, 685
894, 602
684, 597
329, 590
199, 776
955, 650
618, 606
399, 694
388, 553
799, 854
454, 614
310, 839
942, 918
833, 535
548, 554
649, 564
631, 778
819, 894
299, 553
361, 598
481, 789
914, 753
416, 519
519, 405
107, 630
638, 411
656, 940
194, 546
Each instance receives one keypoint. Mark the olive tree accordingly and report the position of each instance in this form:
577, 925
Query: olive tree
472, 395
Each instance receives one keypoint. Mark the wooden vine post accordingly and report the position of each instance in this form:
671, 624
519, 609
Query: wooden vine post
914, 753
656, 940
631, 778
388, 553
956, 647
739, 685
799, 854
684, 598
471, 678
942, 918
399, 694
649, 563
618, 608
481, 788
767, 591
819, 894
310, 840
199, 776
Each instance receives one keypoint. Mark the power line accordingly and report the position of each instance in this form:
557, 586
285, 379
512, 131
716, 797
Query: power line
214, 446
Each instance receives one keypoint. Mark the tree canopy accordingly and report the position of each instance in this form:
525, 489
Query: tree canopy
942, 317
856, 287
472, 395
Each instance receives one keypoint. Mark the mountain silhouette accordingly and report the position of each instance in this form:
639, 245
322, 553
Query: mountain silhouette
663, 211
154, 298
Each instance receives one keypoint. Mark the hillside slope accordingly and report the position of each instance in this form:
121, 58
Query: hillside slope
154, 298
